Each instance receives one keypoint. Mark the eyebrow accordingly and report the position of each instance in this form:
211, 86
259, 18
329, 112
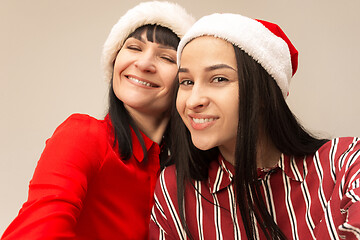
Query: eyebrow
166, 47
218, 66
210, 68
141, 39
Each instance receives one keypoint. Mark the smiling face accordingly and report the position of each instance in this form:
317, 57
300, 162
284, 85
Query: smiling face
207, 99
144, 74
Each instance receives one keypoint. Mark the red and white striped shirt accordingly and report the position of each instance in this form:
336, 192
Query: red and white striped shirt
317, 197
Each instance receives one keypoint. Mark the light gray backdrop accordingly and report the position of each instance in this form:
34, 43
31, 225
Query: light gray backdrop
49, 68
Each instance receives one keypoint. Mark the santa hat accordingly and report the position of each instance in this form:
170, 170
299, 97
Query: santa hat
265, 42
166, 14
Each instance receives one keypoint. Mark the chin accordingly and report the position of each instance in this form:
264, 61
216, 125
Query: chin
202, 145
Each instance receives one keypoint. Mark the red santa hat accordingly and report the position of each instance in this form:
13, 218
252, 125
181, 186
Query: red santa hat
265, 42
166, 14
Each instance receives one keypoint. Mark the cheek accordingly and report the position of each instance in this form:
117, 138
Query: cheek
233, 115
120, 65
118, 68
117, 89
180, 103
168, 73
121, 61
169, 83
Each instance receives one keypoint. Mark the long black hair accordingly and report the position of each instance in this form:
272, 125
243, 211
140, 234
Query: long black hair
119, 116
261, 104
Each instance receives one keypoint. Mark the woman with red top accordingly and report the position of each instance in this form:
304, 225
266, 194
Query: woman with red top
95, 178
244, 167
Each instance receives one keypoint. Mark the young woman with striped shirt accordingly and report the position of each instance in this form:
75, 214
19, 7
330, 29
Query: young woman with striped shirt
244, 166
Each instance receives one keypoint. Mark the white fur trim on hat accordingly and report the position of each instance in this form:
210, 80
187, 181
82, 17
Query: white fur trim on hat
165, 14
254, 38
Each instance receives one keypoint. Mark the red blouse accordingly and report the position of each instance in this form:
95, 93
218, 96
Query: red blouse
82, 189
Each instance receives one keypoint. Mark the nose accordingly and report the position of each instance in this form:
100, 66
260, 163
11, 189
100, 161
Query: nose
198, 98
145, 62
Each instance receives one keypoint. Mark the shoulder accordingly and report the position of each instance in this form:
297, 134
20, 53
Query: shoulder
81, 126
340, 152
80, 134
79, 144
341, 145
83, 122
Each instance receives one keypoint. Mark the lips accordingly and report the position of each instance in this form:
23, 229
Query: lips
203, 120
200, 122
142, 82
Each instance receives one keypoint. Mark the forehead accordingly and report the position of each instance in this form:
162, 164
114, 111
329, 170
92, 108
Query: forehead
207, 50
143, 38
156, 34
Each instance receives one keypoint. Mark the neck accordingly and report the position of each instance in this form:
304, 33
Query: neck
152, 126
228, 152
267, 155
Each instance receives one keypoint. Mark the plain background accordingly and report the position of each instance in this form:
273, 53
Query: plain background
49, 68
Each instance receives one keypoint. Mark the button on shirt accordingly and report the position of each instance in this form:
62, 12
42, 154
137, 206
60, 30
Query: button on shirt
315, 197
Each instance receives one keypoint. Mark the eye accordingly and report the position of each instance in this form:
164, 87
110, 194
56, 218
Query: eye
133, 47
220, 79
186, 82
169, 59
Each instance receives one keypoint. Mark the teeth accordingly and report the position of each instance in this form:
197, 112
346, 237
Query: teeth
203, 120
141, 82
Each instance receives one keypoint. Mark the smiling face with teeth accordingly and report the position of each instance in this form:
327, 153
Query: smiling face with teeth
143, 78
208, 94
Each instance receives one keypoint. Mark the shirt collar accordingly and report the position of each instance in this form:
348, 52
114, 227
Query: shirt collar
152, 147
221, 174
293, 167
